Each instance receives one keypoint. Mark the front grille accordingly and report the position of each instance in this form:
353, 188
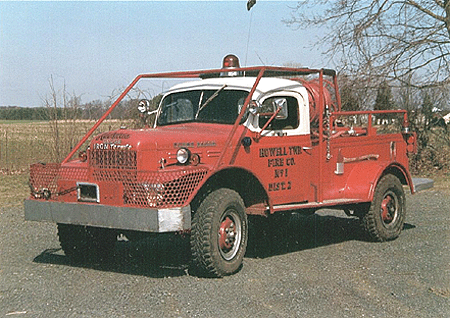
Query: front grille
113, 159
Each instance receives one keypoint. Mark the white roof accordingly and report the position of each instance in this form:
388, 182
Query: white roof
266, 84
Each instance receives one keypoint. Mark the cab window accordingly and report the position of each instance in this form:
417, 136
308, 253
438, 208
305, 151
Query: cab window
292, 120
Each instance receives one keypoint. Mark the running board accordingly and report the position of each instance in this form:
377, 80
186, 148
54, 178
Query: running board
318, 205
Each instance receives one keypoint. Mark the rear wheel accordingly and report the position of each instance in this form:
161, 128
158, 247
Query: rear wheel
84, 243
219, 233
385, 217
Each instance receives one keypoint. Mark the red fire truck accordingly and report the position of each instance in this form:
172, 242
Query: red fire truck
228, 143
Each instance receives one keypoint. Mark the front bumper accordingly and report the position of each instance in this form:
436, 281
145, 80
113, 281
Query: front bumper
125, 218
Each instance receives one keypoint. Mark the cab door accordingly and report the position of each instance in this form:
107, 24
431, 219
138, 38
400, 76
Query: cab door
282, 159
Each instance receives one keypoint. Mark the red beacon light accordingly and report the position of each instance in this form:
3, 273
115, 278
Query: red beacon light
230, 61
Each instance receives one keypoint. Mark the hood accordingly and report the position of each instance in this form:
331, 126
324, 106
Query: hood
190, 135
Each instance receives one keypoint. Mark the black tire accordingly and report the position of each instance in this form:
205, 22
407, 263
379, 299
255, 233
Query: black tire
86, 244
219, 234
385, 217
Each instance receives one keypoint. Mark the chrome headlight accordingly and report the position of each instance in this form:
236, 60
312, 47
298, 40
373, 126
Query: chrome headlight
183, 155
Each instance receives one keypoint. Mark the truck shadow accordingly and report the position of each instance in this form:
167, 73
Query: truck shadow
168, 255
155, 256
303, 232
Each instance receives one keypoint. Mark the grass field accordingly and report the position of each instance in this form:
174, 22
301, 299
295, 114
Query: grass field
13, 189
13, 122
26, 142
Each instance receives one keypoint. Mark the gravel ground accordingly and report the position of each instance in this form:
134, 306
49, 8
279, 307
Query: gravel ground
321, 266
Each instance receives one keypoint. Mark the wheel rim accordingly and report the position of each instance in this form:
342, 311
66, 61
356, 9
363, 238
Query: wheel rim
230, 234
389, 209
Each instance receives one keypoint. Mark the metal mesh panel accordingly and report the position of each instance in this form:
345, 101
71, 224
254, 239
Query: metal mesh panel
44, 177
113, 175
113, 159
75, 174
161, 189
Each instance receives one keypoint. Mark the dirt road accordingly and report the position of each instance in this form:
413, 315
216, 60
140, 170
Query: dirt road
321, 266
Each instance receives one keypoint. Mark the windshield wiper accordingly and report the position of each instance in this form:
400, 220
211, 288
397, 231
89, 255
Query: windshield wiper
209, 100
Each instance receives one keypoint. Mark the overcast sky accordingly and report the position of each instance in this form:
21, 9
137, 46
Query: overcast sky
98, 47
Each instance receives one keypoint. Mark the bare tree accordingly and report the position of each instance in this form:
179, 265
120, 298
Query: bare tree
385, 38
63, 111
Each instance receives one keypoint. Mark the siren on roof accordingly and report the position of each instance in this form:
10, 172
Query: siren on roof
230, 61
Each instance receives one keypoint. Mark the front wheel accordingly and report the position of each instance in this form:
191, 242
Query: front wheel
219, 233
385, 217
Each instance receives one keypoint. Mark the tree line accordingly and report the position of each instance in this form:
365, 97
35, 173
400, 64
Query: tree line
91, 110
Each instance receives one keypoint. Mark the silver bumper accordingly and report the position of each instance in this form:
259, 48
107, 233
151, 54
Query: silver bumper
138, 219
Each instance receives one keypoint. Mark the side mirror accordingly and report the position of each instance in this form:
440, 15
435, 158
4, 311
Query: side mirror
271, 105
144, 106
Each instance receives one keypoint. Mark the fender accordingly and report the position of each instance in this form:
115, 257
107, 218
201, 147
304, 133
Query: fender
403, 174
363, 179
237, 170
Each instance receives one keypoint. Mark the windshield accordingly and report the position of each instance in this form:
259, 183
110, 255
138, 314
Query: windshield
202, 106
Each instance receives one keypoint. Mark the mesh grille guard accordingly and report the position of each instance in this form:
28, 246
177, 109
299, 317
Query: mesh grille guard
146, 189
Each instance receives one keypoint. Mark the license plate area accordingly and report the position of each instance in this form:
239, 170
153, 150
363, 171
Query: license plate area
88, 192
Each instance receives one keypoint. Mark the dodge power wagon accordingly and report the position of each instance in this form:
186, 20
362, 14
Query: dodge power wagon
225, 144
